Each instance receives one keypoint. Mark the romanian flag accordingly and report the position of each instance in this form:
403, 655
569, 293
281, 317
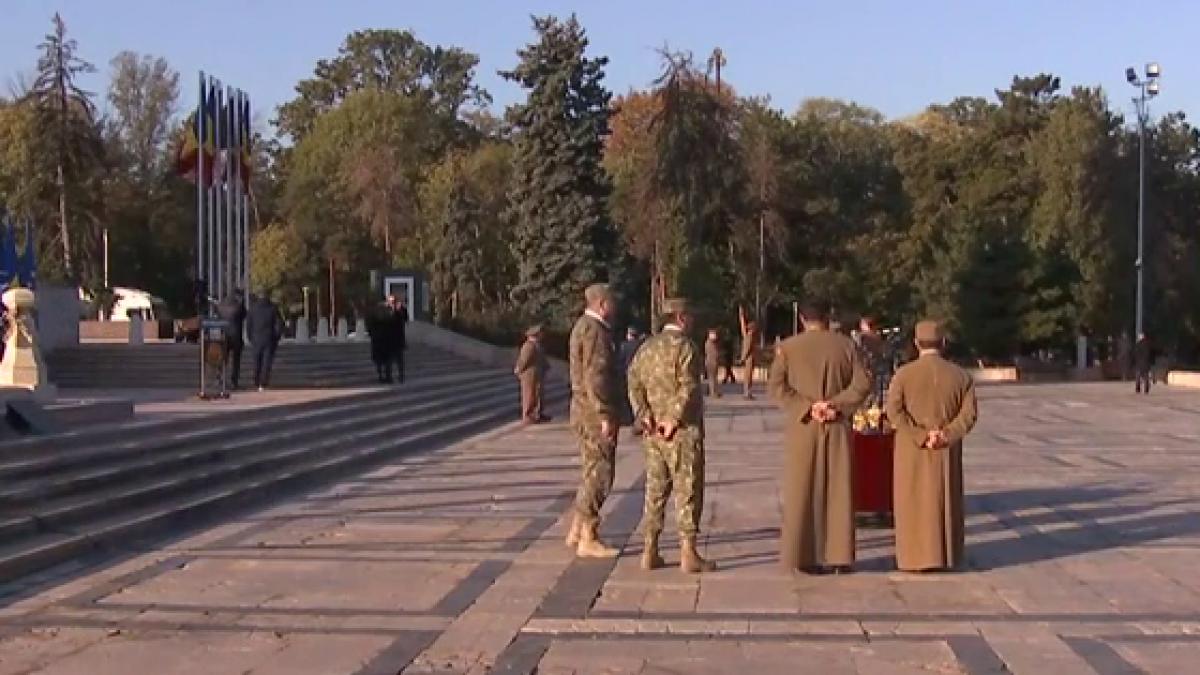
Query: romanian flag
246, 156
187, 158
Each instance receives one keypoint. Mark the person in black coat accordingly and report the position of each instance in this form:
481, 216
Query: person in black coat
264, 327
1143, 362
379, 328
232, 310
399, 340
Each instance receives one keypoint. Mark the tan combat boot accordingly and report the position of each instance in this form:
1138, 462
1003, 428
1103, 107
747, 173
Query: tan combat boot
590, 545
690, 561
573, 533
651, 560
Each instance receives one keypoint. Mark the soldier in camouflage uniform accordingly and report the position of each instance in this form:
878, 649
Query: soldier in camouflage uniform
664, 389
595, 417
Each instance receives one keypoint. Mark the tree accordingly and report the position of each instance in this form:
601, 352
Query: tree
564, 237
380, 187
280, 263
390, 61
457, 279
143, 93
68, 118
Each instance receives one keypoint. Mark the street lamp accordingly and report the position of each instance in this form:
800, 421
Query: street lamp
1147, 89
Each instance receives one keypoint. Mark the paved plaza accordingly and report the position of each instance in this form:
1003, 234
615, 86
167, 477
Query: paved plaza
1083, 542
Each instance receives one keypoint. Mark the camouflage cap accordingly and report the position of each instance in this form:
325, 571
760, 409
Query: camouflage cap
675, 306
928, 331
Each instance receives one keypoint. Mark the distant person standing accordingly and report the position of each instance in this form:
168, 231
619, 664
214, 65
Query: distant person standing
399, 337
531, 370
1143, 363
931, 403
595, 417
749, 356
379, 329
819, 381
629, 348
232, 310
264, 327
712, 362
727, 360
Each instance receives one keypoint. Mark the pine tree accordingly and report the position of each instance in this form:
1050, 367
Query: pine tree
559, 202
459, 261
68, 116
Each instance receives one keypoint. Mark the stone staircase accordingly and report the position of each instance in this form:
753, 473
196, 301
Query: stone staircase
97, 490
176, 366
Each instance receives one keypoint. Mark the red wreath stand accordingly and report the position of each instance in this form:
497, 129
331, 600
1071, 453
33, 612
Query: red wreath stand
873, 474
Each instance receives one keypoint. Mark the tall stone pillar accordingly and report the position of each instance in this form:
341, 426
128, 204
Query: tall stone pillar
22, 366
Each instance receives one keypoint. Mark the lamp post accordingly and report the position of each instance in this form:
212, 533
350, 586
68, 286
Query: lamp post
1147, 89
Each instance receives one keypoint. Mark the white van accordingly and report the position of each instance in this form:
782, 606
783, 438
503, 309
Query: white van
132, 302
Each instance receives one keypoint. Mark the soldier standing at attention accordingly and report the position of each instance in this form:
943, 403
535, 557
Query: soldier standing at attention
664, 389
531, 373
749, 355
595, 417
931, 403
712, 362
819, 381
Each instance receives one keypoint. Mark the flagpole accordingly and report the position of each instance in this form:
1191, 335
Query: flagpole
244, 185
210, 223
240, 226
201, 263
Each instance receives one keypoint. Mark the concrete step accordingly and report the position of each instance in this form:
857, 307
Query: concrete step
177, 366
132, 432
34, 478
180, 473
142, 483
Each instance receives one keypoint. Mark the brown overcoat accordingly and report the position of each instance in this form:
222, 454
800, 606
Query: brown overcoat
926, 394
818, 487
531, 370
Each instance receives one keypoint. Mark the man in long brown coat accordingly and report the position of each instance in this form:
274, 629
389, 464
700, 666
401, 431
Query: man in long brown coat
749, 357
819, 381
931, 404
595, 417
531, 370
712, 362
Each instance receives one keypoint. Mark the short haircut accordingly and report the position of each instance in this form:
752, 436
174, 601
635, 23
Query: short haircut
597, 292
816, 312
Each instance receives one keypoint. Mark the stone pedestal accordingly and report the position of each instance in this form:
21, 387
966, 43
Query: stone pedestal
302, 335
1081, 352
360, 330
343, 329
23, 367
137, 330
322, 330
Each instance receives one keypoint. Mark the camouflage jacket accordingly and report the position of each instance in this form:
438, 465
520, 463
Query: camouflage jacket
664, 380
594, 374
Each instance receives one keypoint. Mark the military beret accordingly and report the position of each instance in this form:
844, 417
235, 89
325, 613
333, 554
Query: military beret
533, 331
928, 331
675, 305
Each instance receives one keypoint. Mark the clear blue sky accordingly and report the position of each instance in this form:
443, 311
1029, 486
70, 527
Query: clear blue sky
892, 55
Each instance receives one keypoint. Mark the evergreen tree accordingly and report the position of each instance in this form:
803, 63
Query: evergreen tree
459, 260
68, 123
559, 201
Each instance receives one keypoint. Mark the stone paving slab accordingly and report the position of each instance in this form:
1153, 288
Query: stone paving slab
1083, 545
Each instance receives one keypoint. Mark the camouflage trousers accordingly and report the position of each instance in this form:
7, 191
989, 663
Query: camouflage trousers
677, 464
598, 456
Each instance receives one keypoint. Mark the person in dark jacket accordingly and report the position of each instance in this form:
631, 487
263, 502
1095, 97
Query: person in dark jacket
399, 341
264, 327
1143, 361
625, 353
379, 328
232, 310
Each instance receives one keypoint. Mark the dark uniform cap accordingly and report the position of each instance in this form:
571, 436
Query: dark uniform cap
928, 331
675, 306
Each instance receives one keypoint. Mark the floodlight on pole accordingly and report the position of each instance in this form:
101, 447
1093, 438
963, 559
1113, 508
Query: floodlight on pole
1148, 88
